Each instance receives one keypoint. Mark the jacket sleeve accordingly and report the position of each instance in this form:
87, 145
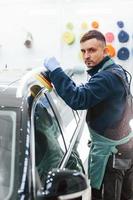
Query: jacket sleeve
101, 86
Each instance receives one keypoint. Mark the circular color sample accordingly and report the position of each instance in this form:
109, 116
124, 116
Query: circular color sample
110, 50
70, 26
84, 25
95, 24
109, 36
120, 24
123, 36
123, 53
68, 37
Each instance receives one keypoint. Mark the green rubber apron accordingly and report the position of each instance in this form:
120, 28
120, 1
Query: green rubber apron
100, 151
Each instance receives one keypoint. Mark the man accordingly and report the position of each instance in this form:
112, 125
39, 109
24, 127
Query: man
105, 96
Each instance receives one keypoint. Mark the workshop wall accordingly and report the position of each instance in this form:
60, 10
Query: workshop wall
32, 30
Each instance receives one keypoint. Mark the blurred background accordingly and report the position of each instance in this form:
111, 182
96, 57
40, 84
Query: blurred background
31, 30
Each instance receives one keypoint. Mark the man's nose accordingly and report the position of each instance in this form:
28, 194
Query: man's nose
86, 54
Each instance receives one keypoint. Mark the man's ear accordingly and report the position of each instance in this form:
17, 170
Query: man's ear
106, 50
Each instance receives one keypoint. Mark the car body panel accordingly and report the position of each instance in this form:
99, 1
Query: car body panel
62, 147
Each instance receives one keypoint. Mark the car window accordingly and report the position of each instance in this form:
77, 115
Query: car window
7, 137
49, 144
69, 117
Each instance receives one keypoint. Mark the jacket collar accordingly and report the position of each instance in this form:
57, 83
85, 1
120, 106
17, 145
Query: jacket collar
96, 68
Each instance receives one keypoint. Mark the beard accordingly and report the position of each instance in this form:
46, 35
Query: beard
89, 63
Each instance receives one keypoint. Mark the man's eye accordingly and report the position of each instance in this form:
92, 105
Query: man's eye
92, 50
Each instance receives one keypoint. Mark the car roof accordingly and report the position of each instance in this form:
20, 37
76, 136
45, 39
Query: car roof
14, 84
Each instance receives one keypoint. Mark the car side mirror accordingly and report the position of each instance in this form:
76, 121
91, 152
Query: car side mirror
63, 184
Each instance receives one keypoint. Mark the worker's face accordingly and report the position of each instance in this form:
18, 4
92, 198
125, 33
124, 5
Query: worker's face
93, 52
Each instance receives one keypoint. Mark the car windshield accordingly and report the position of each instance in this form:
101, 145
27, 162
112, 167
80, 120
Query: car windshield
7, 136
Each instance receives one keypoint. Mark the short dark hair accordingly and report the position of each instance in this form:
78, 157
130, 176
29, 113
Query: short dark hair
93, 34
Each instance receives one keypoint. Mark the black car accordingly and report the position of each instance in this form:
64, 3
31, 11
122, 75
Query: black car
40, 141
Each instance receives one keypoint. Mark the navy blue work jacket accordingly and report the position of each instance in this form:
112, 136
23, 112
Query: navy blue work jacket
103, 88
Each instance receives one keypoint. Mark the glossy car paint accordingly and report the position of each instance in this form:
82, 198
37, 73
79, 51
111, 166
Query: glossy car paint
14, 97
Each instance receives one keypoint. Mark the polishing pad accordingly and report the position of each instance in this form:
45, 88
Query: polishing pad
44, 81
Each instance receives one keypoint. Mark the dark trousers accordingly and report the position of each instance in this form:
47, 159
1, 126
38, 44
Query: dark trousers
118, 181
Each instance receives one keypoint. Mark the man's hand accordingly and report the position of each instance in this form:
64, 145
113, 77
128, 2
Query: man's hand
51, 64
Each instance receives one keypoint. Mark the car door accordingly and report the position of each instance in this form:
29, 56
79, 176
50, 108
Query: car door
72, 125
55, 130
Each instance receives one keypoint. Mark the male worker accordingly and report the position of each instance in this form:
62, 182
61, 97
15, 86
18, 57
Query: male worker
105, 96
